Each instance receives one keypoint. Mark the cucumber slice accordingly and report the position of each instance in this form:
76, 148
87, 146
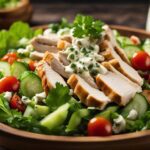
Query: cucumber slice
30, 84
139, 103
29, 111
75, 119
107, 113
130, 50
123, 41
56, 118
5, 68
41, 111
18, 68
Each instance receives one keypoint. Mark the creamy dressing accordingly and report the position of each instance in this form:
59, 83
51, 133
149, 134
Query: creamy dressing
119, 124
83, 57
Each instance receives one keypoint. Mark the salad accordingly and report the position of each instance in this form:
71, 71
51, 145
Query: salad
74, 79
9, 3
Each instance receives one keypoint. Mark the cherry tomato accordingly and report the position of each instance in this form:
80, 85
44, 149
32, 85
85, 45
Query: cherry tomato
141, 61
9, 83
16, 103
99, 126
10, 58
32, 65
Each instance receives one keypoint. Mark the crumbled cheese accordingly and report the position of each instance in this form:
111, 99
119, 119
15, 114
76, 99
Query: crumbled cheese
8, 95
25, 100
133, 114
25, 51
119, 124
40, 97
62, 32
47, 32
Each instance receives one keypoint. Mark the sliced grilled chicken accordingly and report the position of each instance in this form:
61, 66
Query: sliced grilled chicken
36, 55
87, 94
120, 65
111, 68
43, 44
115, 87
49, 76
63, 58
55, 64
111, 37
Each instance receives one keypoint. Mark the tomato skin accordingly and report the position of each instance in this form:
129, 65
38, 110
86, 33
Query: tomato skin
16, 103
32, 65
10, 58
99, 126
9, 83
141, 61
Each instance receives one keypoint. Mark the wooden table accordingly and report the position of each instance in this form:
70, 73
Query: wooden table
123, 13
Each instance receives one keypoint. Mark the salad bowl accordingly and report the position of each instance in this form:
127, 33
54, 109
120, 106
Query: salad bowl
21, 12
17, 139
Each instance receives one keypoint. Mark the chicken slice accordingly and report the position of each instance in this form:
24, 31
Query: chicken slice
115, 87
109, 35
63, 58
48, 76
36, 55
111, 68
55, 64
120, 65
87, 94
42, 44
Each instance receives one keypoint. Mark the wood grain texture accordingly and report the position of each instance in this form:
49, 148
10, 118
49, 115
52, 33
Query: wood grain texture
131, 14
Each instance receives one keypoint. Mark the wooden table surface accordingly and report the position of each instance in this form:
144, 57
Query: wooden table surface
127, 13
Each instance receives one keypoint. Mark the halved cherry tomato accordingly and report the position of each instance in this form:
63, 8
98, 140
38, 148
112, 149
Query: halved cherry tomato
10, 58
141, 61
99, 126
32, 65
16, 103
9, 83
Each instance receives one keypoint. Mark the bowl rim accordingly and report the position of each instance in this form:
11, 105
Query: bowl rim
23, 3
79, 139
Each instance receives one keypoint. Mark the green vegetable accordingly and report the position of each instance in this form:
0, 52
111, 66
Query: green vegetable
29, 111
18, 68
146, 46
107, 113
57, 26
86, 26
56, 118
1, 75
9, 39
130, 50
5, 68
146, 85
30, 84
41, 111
139, 103
123, 41
75, 119
58, 96
8, 3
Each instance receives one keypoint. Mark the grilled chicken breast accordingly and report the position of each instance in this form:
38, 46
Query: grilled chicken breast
87, 94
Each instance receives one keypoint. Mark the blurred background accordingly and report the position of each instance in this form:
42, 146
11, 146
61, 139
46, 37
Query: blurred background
123, 12
131, 13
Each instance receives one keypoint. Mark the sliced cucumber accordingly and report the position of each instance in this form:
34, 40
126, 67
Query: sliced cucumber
107, 113
18, 68
30, 84
130, 50
146, 46
139, 103
76, 118
5, 68
123, 41
41, 111
29, 111
56, 118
